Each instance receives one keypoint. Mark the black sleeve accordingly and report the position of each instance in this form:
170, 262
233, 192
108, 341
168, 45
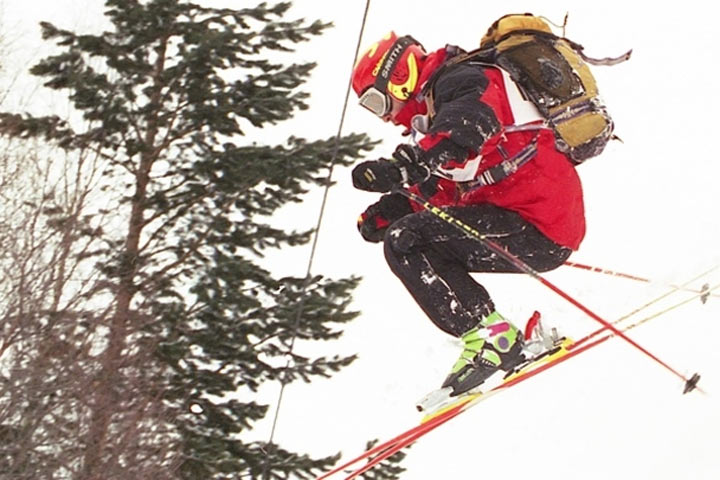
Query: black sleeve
460, 114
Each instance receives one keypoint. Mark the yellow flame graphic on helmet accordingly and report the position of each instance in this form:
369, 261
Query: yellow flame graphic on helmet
372, 50
404, 90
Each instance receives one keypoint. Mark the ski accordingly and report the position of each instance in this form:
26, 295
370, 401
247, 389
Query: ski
571, 349
386, 449
434, 420
433, 409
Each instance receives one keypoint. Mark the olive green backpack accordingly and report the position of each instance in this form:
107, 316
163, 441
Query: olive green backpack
553, 73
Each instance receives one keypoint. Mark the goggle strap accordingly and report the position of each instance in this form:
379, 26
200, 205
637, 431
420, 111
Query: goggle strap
391, 60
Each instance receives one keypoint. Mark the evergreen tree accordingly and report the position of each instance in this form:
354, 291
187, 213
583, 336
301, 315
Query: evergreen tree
388, 469
185, 323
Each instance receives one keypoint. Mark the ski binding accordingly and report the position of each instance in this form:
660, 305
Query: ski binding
539, 343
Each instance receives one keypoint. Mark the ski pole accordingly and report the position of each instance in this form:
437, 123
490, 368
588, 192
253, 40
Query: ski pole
606, 272
613, 273
647, 318
527, 269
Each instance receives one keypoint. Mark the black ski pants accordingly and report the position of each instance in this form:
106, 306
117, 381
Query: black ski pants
433, 259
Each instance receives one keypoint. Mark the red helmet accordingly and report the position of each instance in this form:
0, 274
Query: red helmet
389, 67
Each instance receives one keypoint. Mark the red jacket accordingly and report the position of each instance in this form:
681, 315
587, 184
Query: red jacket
469, 134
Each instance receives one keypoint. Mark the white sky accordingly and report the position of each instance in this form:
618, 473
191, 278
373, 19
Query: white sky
651, 210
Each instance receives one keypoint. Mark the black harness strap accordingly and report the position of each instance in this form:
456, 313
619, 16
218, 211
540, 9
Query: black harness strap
503, 169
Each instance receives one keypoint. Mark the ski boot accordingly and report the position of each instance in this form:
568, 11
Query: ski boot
491, 350
477, 370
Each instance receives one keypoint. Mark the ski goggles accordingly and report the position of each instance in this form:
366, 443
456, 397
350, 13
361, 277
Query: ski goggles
376, 101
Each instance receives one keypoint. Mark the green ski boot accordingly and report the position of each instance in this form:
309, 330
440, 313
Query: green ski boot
495, 345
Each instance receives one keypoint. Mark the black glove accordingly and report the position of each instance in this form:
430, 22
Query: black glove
379, 216
410, 161
377, 176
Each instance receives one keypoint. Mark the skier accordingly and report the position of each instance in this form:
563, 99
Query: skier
465, 118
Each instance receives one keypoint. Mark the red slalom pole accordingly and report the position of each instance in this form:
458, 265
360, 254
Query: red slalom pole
527, 269
591, 314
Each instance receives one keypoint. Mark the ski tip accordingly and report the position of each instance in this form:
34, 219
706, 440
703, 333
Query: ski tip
691, 384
